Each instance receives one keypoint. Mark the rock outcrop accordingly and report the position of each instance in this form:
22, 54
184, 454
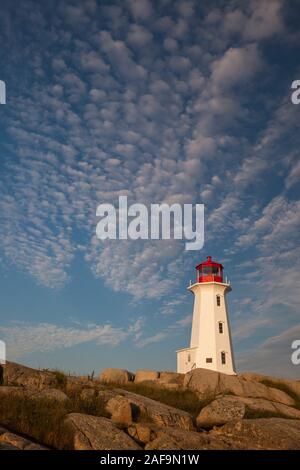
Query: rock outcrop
96, 433
209, 383
51, 394
176, 439
18, 375
6, 391
252, 434
11, 441
120, 409
248, 411
153, 411
168, 380
289, 386
145, 375
117, 376
262, 433
141, 432
229, 408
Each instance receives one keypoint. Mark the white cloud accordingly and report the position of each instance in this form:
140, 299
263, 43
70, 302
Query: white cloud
186, 8
152, 339
273, 356
294, 175
238, 65
170, 44
138, 36
154, 126
174, 328
92, 62
246, 327
120, 57
27, 339
265, 20
141, 9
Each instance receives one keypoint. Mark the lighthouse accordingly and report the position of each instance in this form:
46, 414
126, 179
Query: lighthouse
211, 345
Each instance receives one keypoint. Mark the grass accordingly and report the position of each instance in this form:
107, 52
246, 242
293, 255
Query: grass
60, 379
37, 419
43, 419
93, 406
185, 400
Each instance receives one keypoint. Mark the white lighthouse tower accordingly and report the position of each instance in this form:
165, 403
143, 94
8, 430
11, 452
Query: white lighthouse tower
211, 346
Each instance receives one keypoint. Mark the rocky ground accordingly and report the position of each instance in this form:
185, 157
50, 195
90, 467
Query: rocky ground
42, 410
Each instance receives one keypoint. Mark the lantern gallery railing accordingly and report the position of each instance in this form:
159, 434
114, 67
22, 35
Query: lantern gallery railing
211, 278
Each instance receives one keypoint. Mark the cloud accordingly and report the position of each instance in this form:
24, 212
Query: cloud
137, 263
144, 104
245, 328
138, 36
186, 8
92, 62
265, 20
27, 339
170, 44
120, 57
151, 340
258, 20
172, 329
238, 65
277, 218
294, 175
273, 356
169, 306
74, 15
141, 9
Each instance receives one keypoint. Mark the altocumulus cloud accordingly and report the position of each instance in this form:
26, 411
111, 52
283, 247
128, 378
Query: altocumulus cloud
24, 339
113, 97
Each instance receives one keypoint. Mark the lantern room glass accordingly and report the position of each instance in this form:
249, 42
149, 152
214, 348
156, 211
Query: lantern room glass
209, 273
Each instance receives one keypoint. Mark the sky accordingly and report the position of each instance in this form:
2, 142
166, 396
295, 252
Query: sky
162, 101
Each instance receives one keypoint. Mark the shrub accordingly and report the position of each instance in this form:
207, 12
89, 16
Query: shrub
185, 400
61, 379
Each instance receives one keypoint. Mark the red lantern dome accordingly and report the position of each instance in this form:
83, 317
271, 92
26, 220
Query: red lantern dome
209, 271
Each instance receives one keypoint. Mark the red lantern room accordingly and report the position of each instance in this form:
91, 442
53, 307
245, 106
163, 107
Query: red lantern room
209, 271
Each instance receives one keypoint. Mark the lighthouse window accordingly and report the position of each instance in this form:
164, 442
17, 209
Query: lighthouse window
220, 327
189, 358
209, 360
223, 357
218, 301
206, 270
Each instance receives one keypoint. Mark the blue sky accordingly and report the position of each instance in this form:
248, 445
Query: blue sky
162, 101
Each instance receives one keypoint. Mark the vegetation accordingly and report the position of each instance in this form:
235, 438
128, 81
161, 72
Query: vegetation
42, 419
61, 379
38, 419
185, 400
